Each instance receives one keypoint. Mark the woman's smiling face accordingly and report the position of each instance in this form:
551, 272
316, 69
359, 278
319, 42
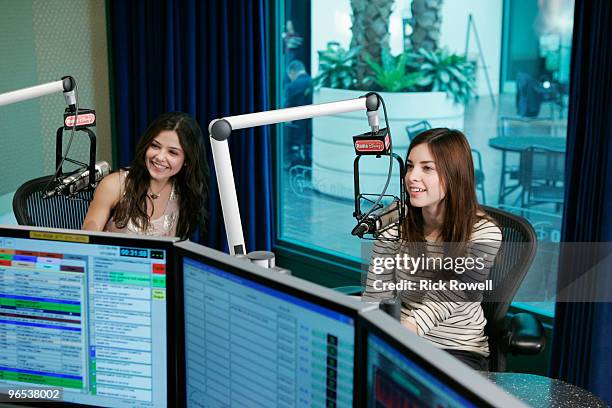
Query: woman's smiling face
164, 157
422, 179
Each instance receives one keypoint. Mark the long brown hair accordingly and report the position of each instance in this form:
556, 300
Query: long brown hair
190, 183
453, 159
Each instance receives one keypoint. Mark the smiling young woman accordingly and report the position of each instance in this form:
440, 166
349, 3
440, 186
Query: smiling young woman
443, 219
164, 190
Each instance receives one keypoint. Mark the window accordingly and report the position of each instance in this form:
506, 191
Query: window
518, 52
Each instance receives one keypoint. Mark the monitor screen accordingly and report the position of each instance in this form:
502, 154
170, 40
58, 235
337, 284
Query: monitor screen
394, 380
85, 314
403, 370
259, 340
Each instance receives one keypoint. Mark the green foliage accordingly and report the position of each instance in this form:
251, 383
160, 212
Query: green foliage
443, 71
336, 67
422, 70
392, 75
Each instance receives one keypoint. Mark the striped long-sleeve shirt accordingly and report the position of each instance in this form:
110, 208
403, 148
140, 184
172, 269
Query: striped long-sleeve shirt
451, 318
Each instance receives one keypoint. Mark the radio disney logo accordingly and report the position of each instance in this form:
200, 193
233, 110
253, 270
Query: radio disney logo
369, 145
84, 119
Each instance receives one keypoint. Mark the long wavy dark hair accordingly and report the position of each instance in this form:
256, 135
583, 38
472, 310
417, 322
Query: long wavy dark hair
453, 157
190, 183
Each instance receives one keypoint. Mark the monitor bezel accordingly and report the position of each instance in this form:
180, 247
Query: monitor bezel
119, 239
468, 383
290, 285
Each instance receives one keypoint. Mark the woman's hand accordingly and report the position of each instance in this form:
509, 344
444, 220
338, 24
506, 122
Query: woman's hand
410, 324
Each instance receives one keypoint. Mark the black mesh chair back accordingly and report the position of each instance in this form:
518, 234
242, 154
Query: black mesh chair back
413, 130
511, 265
59, 211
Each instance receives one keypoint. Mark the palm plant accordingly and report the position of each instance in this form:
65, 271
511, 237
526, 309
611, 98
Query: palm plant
443, 71
370, 31
336, 67
391, 75
426, 22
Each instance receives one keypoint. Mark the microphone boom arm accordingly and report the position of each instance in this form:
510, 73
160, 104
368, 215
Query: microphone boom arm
221, 129
66, 85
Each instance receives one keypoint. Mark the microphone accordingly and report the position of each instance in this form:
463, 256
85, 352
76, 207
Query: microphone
378, 220
373, 120
70, 98
78, 181
69, 85
372, 105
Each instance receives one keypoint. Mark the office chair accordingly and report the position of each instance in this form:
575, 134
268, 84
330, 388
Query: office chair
479, 176
525, 334
413, 130
59, 211
512, 126
542, 172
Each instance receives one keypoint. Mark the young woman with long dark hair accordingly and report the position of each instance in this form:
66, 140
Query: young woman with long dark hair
453, 238
165, 189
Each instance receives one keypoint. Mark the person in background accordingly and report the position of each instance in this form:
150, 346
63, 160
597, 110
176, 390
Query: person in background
298, 92
292, 42
165, 189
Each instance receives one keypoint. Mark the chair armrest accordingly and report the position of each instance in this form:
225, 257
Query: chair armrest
526, 335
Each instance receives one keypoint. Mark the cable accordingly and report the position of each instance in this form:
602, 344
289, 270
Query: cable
384, 190
65, 155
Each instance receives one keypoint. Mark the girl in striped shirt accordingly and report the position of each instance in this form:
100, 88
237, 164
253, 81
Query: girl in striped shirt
448, 239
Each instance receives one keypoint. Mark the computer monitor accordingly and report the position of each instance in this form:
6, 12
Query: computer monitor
255, 337
86, 313
403, 370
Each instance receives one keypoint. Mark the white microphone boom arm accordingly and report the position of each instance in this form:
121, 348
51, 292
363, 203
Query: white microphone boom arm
66, 85
221, 129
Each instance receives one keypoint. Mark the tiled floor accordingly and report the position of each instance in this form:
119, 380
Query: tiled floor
316, 220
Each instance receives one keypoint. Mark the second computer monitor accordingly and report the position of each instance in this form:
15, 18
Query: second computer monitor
257, 338
403, 370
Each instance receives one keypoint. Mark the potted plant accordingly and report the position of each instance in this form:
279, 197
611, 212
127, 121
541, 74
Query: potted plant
417, 85
336, 67
392, 75
441, 70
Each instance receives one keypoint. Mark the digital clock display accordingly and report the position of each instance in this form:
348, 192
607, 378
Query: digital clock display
134, 252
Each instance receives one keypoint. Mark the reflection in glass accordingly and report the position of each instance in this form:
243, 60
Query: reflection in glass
420, 66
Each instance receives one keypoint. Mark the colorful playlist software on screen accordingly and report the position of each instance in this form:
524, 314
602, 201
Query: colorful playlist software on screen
89, 319
250, 345
394, 380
